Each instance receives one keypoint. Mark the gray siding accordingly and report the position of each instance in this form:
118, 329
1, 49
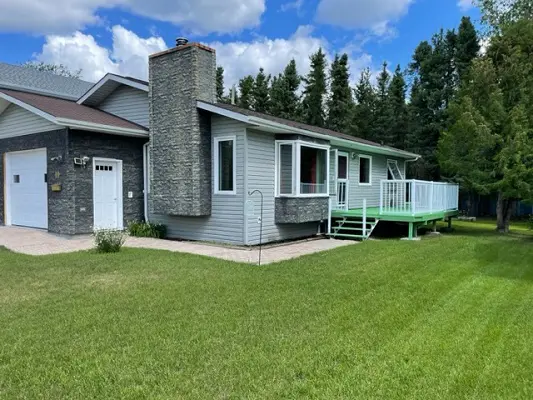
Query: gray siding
16, 121
128, 103
261, 176
226, 222
356, 192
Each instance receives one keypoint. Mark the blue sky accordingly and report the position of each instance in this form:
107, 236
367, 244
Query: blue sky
101, 36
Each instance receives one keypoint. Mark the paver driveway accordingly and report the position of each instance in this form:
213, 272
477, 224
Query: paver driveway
39, 242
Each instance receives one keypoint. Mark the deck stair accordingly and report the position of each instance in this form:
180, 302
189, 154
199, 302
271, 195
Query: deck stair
351, 227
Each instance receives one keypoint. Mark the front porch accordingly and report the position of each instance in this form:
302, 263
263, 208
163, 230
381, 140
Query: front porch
413, 202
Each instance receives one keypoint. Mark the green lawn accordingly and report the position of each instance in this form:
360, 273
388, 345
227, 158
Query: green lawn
448, 317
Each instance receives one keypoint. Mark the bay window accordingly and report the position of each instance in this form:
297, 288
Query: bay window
302, 169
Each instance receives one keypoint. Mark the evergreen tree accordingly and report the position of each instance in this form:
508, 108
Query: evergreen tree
340, 104
260, 92
220, 84
383, 114
399, 121
433, 88
489, 146
284, 100
246, 87
467, 47
496, 14
315, 91
362, 124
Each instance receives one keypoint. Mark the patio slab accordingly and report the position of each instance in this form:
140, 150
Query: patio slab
39, 242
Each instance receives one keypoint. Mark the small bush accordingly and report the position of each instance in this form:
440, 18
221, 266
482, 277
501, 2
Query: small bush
109, 240
147, 229
530, 222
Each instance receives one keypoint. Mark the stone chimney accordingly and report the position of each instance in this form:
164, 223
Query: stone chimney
180, 134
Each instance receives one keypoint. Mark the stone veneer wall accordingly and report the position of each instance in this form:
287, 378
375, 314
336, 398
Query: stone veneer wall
298, 210
180, 135
60, 204
70, 211
93, 144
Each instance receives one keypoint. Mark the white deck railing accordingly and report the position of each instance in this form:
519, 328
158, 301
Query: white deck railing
416, 197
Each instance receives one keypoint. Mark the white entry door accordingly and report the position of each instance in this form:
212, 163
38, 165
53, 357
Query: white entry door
26, 186
107, 194
342, 180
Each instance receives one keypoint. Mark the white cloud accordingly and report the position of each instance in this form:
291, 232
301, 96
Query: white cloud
243, 58
362, 14
292, 5
465, 5
65, 16
128, 54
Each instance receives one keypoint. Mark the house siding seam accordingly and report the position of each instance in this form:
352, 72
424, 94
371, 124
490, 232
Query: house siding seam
129, 151
261, 176
128, 103
16, 121
225, 224
61, 215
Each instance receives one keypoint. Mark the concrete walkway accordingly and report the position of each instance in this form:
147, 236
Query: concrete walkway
39, 242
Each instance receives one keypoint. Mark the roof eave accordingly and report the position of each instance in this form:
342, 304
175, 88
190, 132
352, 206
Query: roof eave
86, 98
110, 129
282, 128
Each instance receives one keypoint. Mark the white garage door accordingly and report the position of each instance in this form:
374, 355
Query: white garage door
27, 188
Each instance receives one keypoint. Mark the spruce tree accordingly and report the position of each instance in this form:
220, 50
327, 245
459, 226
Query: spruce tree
246, 87
260, 92
220, 84
284, 100
340, 103
383, 114
399, 121
467, 46
292, 81
315, 91
362, 124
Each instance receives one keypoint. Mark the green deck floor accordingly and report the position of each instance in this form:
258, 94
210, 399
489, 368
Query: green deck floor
373, 212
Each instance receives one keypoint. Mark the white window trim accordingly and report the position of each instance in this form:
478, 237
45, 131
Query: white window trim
369, 183
296, 167
216, 167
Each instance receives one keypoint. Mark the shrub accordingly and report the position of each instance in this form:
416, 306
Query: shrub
147, 229
530, 222
109, 240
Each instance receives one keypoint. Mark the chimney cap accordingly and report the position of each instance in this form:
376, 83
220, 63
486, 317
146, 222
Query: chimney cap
181, 41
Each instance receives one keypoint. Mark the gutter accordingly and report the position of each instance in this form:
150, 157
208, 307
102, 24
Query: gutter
361, 146
101, 128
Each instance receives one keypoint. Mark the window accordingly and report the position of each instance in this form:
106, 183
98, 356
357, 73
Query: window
225, 157
285, 182
16, 178
302, 169
365, 170
393, 171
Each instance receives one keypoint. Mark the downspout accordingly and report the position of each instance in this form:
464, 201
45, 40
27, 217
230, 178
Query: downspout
146, 175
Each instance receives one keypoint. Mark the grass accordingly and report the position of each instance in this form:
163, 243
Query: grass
448, 317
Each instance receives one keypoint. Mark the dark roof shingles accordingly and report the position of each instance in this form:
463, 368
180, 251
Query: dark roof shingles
60, 108
25, 78
300, 125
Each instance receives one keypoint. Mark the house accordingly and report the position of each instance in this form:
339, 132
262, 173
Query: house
80, 156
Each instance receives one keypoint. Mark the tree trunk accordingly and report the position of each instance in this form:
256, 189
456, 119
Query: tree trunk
504, 210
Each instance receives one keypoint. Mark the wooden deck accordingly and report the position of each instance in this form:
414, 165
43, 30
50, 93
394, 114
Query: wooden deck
396, 216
